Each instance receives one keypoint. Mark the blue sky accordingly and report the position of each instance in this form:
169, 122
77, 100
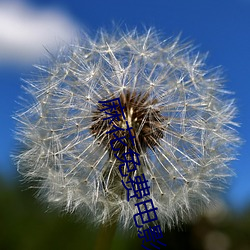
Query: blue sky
221, 27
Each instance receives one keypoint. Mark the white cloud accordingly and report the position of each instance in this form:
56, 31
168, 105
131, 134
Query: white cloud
25, 31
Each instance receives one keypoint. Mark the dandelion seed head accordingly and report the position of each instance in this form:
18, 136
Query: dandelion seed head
182, 120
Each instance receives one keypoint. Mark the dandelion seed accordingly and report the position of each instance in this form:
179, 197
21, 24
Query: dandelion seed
181, 118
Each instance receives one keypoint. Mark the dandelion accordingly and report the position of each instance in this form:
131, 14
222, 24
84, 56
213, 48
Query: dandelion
182, 120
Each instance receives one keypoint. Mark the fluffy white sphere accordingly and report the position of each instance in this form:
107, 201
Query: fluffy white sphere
180, 114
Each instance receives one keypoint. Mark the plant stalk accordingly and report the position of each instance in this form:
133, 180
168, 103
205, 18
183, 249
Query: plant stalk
105, 236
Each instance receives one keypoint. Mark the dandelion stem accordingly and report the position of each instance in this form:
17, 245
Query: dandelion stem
105, 236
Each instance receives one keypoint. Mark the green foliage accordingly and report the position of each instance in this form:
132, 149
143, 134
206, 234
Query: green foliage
26, 226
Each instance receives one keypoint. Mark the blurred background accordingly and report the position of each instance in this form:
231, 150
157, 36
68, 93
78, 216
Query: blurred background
29, 28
